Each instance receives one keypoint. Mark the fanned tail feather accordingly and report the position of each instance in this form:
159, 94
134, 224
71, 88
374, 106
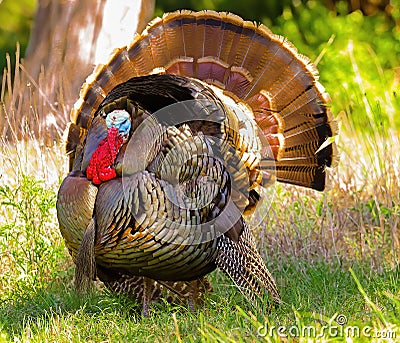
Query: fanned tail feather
245, 60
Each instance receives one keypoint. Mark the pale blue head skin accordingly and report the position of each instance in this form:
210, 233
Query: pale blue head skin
119, 119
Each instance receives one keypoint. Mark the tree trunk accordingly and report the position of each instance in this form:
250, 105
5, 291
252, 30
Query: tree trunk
68, 39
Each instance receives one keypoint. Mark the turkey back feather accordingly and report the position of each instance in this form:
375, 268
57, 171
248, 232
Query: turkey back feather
245, 60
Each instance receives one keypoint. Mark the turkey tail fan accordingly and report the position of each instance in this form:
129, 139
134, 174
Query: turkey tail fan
250, 64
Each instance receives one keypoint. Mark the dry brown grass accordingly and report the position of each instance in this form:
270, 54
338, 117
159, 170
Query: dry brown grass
355, 221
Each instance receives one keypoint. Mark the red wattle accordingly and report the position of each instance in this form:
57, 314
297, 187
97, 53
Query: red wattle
99, 169
107, 174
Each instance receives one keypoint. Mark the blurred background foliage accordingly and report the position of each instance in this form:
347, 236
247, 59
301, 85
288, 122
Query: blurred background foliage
338, 35
16, 19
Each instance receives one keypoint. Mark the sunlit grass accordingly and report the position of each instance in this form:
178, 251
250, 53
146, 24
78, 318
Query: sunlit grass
333, 254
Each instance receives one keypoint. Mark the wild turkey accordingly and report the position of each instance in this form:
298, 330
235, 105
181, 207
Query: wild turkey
169, 145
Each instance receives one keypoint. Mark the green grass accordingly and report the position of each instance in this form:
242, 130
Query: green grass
335, 255
313, 294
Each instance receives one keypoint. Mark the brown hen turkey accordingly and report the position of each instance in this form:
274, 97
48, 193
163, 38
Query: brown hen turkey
170, 144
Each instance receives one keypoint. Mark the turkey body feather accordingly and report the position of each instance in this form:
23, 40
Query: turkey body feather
169, 145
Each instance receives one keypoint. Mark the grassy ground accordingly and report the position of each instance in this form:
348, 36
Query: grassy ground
334, 254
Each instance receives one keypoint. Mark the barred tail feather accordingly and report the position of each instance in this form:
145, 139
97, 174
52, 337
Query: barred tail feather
243, 264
